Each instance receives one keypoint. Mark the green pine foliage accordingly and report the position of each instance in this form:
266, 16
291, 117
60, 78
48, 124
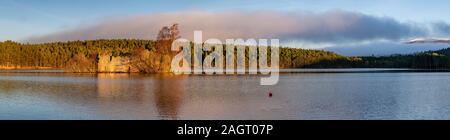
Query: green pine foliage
60, 55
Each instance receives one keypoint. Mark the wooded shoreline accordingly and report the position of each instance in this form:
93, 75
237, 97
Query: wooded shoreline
148, 56
27, 68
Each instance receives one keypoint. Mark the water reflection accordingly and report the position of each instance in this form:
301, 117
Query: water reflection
168, 95
120, 87
143, 92
297, 96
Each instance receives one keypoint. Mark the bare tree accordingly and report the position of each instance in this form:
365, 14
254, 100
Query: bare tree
174, 32
163, 56
169, 33
165, 38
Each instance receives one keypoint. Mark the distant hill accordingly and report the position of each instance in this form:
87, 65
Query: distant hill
445, 52
386, 48
439, 59
429, 40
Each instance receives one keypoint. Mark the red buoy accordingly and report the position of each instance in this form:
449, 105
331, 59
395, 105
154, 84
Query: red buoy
270, 94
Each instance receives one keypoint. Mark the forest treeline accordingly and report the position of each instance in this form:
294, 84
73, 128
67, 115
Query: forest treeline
148, 56
439, 59
61, 55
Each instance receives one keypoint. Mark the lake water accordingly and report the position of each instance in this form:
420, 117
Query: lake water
298, 95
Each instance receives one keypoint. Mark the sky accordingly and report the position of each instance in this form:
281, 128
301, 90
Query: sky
299, 23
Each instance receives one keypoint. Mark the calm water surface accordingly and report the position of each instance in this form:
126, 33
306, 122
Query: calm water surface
365, 95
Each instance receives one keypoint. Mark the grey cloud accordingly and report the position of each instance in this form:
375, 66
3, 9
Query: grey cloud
347, 26
331, 26
441, 28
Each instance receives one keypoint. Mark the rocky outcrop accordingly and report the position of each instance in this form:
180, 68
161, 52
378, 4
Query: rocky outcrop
109, 63
150, 62
140, 60
81, 63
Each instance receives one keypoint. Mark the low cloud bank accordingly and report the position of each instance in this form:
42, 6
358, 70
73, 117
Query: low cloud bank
327, 27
